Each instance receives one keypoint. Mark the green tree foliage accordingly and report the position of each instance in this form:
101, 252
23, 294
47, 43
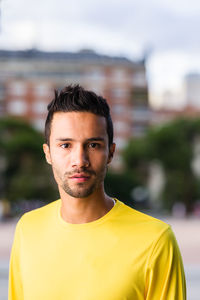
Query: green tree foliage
25, 173
136, 158
120, 185
172, 145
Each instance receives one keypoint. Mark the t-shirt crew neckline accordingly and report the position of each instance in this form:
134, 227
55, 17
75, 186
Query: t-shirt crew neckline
87, 225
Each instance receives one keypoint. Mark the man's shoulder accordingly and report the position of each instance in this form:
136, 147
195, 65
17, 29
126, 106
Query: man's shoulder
142, 222
39, 215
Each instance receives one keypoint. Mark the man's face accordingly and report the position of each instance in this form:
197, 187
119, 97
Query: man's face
78, 152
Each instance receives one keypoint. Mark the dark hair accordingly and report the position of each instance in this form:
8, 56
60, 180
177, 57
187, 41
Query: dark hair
76, 98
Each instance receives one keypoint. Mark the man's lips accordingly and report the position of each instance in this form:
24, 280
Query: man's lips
80, 177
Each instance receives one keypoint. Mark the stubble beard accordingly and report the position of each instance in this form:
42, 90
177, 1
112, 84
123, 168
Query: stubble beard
82, 189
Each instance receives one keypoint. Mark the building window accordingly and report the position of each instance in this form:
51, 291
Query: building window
139, 79
119, 75
120, 126
120, 109
2, 91
42, 90
142, 114
119, 93
39, 107
96, 75
17, 107
18, 88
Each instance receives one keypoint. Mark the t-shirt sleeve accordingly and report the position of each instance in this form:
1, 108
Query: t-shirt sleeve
15, 291
165, 278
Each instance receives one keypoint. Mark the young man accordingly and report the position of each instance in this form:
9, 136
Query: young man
88, 246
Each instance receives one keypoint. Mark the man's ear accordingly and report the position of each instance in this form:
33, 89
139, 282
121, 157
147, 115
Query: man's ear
111, 152
47, 153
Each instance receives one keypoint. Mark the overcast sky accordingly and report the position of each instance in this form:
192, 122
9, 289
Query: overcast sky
168, 29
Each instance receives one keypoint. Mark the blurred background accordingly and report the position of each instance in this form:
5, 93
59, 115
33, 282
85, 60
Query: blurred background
144, 57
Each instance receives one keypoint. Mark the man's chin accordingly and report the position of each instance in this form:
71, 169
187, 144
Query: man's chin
78, 192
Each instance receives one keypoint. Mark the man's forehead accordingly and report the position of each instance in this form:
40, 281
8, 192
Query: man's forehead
75, 123
77, 116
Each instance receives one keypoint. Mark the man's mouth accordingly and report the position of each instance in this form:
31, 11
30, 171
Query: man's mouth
80, 177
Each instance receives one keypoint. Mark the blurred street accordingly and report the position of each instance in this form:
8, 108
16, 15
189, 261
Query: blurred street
187, 234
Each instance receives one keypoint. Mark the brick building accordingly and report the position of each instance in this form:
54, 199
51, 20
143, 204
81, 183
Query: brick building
28, 78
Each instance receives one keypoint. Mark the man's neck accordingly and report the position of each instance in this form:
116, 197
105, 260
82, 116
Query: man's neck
84, 210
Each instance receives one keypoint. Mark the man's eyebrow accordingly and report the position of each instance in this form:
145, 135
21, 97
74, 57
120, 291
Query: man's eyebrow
64, 139
87, 140
96, 139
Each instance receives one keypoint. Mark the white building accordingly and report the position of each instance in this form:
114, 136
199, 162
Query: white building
192, 90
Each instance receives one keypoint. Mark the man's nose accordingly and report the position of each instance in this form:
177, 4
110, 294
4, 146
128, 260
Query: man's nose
80, 157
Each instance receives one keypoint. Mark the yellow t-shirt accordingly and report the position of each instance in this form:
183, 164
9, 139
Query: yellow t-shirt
125, 255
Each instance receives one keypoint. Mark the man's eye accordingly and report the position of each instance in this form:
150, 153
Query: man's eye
66, 145
94, 145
